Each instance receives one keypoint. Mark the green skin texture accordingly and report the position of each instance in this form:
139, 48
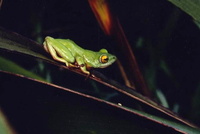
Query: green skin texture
68, 52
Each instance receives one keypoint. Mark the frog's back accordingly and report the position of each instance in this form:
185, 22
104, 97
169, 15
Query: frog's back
71, 46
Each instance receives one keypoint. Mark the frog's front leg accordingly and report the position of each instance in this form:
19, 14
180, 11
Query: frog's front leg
82, 65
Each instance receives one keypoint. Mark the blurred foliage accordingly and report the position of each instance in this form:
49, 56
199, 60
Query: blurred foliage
10, 66
5, 127
192, 7
165, 41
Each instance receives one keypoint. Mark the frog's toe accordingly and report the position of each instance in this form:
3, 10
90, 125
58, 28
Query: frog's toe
86, 72
72, 65
67, 64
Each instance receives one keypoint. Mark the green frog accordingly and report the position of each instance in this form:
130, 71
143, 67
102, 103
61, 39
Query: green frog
68, 52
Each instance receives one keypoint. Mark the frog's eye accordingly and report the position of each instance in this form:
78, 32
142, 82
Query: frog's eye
104, 59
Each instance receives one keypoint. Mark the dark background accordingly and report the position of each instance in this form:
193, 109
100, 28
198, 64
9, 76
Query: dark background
157, 31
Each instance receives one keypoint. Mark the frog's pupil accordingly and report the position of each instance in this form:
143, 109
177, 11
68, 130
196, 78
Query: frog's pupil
106, 59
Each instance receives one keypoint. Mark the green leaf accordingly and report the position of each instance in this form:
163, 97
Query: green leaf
10, 66
5, 127
191, 7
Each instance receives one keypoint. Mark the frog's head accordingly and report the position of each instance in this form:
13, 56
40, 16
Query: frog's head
106, 59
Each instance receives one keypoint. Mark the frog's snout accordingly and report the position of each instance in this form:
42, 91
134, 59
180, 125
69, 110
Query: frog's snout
114, 58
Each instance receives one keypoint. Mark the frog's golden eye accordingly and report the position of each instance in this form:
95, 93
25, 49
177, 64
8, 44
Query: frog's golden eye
104, 59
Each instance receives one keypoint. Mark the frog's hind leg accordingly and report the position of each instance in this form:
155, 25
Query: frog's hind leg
45, 47
53, 53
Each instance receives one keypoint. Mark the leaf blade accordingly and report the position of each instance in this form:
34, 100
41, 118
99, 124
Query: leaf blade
191, 7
